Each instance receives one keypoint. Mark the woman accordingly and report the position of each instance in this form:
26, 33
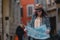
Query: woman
38, 19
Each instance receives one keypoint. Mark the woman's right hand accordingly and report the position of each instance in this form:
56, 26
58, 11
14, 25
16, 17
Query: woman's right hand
48, 31
25, 34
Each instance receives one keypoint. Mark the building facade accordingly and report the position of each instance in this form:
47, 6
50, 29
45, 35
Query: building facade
27, 10
14, 17
58, 14
0, 19
11, 18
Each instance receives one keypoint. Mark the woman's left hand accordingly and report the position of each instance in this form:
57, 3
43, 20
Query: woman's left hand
47, 31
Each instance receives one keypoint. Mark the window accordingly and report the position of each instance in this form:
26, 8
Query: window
50, 3
21, 12
30, 9
38, 1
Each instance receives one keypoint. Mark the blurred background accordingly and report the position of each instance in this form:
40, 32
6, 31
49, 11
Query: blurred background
13, 12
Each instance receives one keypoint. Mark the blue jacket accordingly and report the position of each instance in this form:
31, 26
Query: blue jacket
45, 20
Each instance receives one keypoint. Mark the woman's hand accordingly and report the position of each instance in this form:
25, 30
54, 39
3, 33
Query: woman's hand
25, 34
48, 31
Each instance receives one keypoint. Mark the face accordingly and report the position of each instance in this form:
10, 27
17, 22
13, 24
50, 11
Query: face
39, 13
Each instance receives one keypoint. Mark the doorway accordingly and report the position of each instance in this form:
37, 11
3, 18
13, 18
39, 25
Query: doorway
53, 25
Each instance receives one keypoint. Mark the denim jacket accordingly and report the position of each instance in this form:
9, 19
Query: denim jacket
45, 20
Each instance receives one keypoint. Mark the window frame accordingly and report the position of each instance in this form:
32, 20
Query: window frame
30, 5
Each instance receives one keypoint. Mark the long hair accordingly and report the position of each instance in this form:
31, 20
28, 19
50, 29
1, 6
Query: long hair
44, 14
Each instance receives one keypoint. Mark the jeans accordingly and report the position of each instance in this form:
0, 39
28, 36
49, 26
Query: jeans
21, 37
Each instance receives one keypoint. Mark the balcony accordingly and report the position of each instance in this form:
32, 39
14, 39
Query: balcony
52, 6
